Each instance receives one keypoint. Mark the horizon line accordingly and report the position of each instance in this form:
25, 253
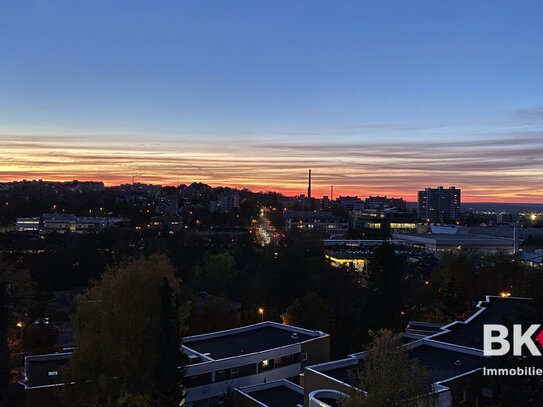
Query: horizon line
112, 185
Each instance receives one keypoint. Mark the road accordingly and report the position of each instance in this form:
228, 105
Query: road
265, 233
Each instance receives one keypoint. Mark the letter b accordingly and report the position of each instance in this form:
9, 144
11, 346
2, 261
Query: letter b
501, 339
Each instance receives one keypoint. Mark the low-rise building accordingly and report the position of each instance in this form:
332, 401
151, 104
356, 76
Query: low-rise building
451, 354
254, 354
531, 259
324, 222
218, 362
63, 223
350, 203
382, 221
443, 242
28, 224
384, 202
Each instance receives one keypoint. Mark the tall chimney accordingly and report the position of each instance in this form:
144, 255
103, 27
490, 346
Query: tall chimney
309, 187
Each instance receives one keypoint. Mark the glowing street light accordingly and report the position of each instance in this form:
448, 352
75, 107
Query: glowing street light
20, 325
505, 294
261, 313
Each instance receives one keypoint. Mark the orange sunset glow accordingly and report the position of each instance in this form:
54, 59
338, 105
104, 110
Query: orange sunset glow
496, 170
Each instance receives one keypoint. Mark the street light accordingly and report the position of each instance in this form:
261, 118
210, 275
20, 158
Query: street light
20, 325
261, 313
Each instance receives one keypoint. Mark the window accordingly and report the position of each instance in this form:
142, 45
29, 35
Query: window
304, 356
234, 370
265, 365
462, 398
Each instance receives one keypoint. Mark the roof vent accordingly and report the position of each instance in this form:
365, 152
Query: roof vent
457, 362
294, 335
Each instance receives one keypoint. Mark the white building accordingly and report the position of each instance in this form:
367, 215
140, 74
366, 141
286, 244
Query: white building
254, 354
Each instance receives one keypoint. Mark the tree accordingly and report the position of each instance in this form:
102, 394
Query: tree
168, 379
209, 313
390, 377
309, 312
387, 286
127, 339
22, 291
457, 277
215, 273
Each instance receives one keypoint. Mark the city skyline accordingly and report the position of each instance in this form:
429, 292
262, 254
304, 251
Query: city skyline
115, 162
378, 99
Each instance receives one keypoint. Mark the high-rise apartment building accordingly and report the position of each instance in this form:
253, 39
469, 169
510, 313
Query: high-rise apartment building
439, 205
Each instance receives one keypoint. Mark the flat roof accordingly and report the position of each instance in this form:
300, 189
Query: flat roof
43, 370
446, 237
440, 363
536, 257
450, 240
347, 374
278, 396
495, 310
246, 340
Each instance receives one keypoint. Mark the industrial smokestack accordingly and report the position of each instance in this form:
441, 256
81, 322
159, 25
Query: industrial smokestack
309, 186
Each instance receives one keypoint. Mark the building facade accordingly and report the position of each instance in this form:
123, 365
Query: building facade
325, 222
218, 362
63, 223
382, 221
439, 205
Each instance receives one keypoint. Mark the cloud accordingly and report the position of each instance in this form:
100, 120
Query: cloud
506, 166
535, 112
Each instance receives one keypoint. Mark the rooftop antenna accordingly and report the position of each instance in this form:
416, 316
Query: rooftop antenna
134, 176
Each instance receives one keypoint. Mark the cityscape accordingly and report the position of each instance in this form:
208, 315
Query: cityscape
271, 204
273, 286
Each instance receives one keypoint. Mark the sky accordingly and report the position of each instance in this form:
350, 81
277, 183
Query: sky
384, 97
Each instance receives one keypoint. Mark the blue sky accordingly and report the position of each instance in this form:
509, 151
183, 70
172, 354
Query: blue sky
253, 73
